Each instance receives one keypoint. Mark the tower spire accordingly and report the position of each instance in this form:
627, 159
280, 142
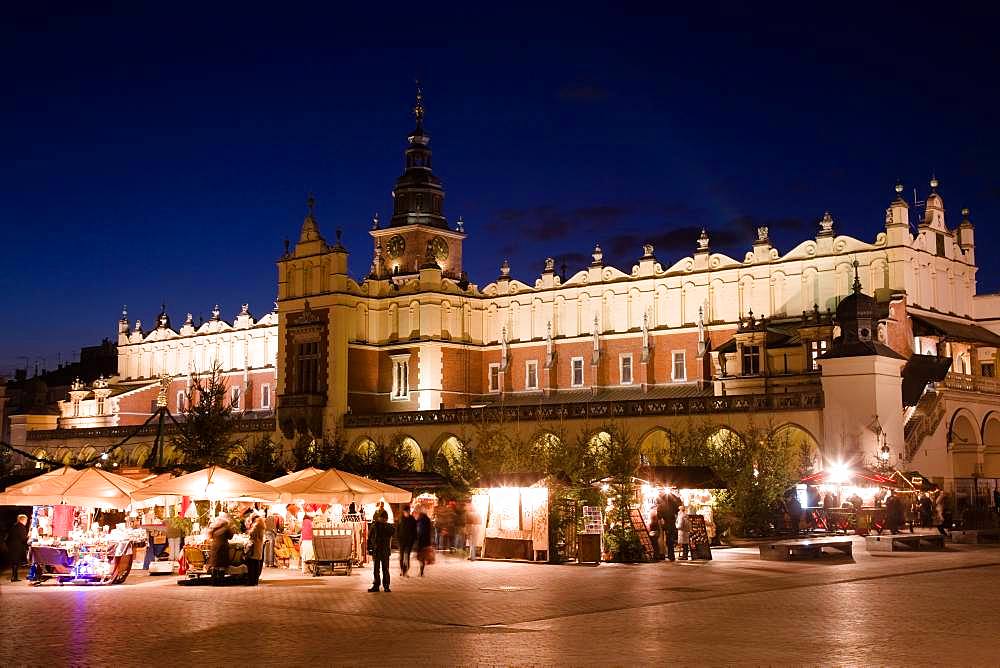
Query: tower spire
857, 281
418, 109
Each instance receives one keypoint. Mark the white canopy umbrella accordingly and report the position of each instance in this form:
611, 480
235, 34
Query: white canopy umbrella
297, 475
90, 487
334, 486
212, 484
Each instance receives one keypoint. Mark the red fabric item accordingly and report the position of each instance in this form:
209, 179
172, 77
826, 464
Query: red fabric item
62, 520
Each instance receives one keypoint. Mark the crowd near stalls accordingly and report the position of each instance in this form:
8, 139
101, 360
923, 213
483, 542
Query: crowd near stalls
843, 499
88, 526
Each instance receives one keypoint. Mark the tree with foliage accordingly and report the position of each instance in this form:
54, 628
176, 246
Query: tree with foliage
382, 456
757, 465
207, 428
618, 456
327, 452
259, 459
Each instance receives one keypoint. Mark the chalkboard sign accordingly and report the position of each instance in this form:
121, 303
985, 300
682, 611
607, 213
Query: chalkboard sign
700, 543
639, 525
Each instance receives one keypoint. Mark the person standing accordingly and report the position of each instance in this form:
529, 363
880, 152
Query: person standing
17, 546
306, 552
926, 511
380, 547
996, 499
425, 530
893, 513
406, 537
667, 514
939, 512
218, 555
794, 509
270, 536
683, 524
255, 550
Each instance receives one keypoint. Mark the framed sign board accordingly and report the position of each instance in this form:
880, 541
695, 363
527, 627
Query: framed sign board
700, 543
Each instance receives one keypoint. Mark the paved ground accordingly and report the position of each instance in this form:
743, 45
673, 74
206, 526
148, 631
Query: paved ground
897, 609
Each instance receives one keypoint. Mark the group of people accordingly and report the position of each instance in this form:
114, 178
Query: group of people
929, 509
671, 522
412, 530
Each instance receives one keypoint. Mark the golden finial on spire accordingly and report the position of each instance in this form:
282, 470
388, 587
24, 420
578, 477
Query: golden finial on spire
418, 109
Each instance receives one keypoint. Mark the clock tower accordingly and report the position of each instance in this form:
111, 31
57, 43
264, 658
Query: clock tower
418, 229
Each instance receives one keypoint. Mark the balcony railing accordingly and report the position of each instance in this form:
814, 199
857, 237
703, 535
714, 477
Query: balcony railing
596, 410
241, 425
967, 383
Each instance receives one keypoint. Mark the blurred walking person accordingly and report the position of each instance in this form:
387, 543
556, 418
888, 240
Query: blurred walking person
425, 543
406, 536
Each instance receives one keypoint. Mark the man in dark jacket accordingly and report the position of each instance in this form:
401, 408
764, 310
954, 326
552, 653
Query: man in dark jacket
380, 547
893, 513
406, 537
666, 512
17, 545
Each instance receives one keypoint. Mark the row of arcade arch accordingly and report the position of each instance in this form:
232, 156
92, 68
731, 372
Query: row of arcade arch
654, 444
966, 430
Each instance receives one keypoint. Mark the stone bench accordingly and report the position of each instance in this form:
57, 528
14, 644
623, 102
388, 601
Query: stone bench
904, 542
787, 550
975, 536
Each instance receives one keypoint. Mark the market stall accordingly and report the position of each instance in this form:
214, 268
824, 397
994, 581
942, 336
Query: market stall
217, 485
516, 512
339, 503
842, 498
696, 486
67, 541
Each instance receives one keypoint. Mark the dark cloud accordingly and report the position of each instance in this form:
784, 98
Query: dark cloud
548, 222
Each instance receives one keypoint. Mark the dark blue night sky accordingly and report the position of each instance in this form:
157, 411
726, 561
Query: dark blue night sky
153, 157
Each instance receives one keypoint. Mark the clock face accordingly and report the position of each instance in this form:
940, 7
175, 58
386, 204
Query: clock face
396, 246
440, 248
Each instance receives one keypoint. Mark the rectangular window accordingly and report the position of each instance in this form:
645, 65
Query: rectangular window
494, 378
940, 244
988, 370
401, 378
76, 408
625, 368
100, 405
678, 368
816, 348
265, 397
307, 379
235, 394
751, 360
576, 365
531, 375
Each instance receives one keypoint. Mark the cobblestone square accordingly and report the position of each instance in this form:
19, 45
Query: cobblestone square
926, 608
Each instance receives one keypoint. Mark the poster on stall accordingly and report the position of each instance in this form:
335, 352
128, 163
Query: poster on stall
592, 521
62, 520
535, 502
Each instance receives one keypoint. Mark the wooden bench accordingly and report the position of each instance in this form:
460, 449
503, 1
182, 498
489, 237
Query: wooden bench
904, 542
975, 536
787, 550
